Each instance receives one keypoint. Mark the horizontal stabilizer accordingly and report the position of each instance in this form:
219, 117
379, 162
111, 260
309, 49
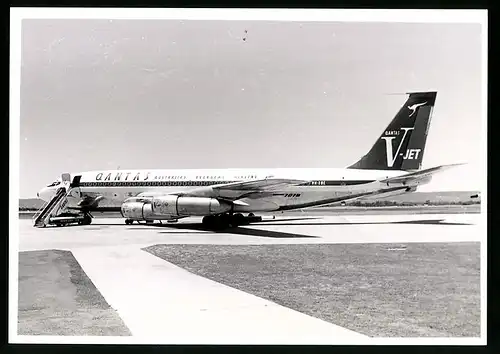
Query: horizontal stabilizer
422, 174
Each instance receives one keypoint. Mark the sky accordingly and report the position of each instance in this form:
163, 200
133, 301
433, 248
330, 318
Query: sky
133, 94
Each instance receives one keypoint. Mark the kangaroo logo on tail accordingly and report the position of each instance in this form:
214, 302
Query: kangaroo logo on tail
413, 108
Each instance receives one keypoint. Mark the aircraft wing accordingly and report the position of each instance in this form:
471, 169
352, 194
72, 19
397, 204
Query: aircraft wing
260, 185
419, 175
237, 190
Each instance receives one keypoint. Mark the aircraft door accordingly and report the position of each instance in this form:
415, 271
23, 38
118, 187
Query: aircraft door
75, 187
76, 181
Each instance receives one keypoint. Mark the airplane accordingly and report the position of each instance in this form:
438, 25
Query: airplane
221, 196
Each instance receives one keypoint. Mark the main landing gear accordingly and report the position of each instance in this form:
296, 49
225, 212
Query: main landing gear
87, 220
229, 220
220, 221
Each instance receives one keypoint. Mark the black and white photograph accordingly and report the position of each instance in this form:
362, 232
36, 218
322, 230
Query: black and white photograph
247, 176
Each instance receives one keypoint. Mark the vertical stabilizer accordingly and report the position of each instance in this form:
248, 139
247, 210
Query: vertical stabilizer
401, 145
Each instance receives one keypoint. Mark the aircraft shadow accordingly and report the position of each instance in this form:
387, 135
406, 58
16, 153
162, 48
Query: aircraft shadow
277, 220
246, 231
414, 222
239, 230
197, 226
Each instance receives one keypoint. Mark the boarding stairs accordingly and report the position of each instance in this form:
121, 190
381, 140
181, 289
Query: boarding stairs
53, 207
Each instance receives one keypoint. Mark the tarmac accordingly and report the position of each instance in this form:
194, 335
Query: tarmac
162, 303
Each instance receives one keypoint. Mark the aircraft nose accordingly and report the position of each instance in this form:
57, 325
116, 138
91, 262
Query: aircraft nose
45, 194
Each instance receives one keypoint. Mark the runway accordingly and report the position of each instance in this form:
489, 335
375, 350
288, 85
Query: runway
164, 291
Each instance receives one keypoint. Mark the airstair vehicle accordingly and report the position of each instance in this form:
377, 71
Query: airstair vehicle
54, 212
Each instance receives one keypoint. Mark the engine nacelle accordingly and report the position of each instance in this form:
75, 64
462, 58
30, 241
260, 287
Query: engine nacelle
188, 206
141, 210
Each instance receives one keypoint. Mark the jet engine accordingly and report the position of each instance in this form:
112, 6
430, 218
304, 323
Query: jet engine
171, 207
188, 206
139, 210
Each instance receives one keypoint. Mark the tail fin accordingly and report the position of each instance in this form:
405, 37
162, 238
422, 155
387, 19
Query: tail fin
401, 146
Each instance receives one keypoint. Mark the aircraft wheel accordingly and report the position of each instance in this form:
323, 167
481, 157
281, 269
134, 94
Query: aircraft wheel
217, 222
226, 220
208, 220
87, 220
128, 222
238, 219
251, 215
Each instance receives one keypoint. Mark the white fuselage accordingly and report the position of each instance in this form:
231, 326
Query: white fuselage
324, 186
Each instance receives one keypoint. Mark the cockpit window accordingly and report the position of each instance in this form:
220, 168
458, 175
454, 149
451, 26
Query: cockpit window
54, 184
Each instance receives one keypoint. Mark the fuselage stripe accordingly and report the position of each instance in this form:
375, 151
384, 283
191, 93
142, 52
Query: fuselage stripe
319, 183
